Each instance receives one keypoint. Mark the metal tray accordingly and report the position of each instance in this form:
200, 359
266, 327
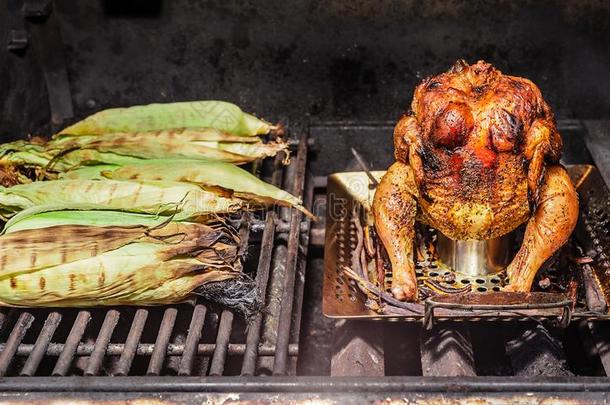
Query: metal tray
349, 197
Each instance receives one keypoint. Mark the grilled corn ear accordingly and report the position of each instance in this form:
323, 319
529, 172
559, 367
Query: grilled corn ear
191, 143
45, 216
79, 265
214, 114
239, 182
156, 197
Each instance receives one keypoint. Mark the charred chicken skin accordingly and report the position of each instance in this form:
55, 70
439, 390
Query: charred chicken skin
477, 156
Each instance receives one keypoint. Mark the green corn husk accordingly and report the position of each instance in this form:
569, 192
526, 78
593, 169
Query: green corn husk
189, 143
88, 172
80, 265
18, 156
239, 182
45, 216
24, 153
182, 200
63, 162
221, 115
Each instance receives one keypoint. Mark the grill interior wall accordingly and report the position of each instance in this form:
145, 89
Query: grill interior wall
295, 60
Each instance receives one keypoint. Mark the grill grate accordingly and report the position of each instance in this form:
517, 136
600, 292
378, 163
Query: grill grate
194, 338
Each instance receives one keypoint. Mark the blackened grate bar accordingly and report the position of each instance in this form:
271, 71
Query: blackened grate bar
23, 324
222, 343
148, 349
262, 277
103, 338
281, 357
66, 356
193, 337
40, 347
160, 347
131, 345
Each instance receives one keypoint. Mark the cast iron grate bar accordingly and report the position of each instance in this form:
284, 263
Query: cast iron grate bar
262, 276
262, 279
147, 349
42, 343
101, 344
23, 324
76, 333
222, 343
160, 348
131, 344
226, 317
192, 339
283, 335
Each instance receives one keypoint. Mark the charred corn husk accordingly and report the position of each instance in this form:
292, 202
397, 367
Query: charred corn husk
70, 151
213, 114
86, 265
182, 200
235, 180
22, 162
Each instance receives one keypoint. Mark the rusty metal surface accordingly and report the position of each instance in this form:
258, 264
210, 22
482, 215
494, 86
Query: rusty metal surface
500, 298
344, 299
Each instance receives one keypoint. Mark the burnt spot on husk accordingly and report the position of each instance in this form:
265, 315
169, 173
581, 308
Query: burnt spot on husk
101, 279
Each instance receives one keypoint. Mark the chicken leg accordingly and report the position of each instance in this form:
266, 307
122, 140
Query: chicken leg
394, 208
547, 230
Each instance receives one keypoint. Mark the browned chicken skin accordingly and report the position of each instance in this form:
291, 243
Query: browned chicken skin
476, 157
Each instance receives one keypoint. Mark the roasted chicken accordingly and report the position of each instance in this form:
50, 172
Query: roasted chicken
476, 156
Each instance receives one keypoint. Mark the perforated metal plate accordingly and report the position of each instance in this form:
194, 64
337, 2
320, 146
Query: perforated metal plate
349, 198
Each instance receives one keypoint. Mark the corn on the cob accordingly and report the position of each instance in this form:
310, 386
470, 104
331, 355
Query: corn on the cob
190, 143
236, 180
214, 114
45, 216
157, 197
80, 265
87, 240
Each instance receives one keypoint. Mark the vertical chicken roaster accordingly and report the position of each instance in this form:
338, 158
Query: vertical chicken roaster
476, 156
